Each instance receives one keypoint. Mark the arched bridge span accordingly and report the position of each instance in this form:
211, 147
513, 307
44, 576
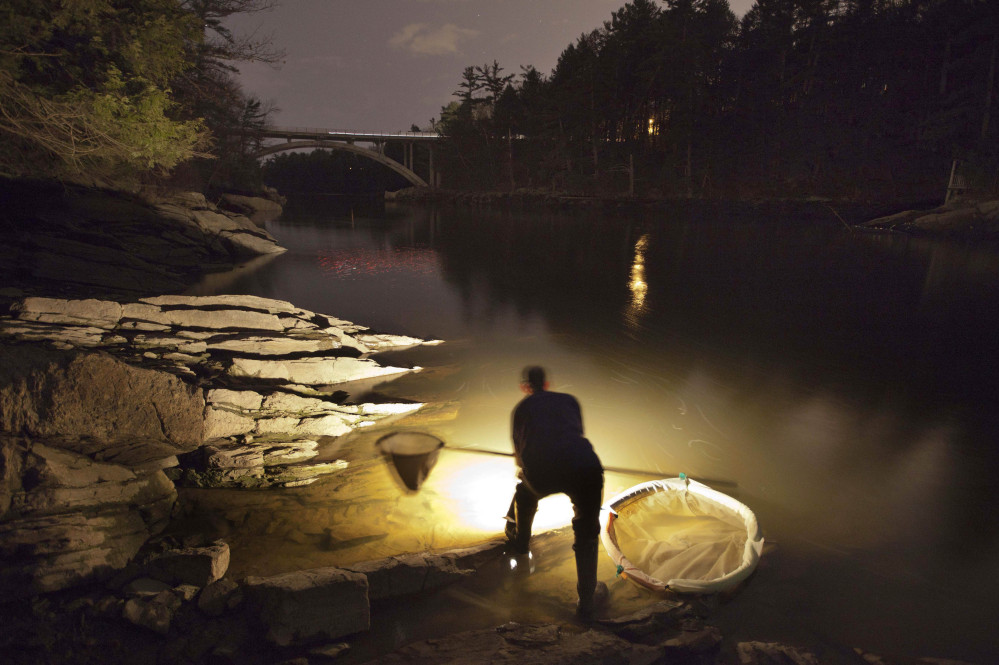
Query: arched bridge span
344, 141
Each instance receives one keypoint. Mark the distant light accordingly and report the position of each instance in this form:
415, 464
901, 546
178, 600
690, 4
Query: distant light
639, 288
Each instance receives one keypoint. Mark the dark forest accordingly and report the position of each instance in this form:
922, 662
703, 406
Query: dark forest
854, 99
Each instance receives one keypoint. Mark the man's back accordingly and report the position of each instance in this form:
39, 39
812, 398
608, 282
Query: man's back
548, 436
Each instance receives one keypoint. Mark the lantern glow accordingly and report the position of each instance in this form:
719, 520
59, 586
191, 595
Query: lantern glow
478, 490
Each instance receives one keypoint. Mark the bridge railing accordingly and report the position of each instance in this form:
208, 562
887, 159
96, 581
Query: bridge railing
346, 133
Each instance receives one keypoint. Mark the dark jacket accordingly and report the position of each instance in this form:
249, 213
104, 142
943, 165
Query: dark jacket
548, 440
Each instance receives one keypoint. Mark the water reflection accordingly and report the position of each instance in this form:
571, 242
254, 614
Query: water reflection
637, 284
364, 262
844, 381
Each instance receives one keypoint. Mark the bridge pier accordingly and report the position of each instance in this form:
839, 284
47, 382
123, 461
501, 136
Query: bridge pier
433, 174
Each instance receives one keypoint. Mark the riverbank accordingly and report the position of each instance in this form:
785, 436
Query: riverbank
817, 210
93, 624
960, 219
120, 420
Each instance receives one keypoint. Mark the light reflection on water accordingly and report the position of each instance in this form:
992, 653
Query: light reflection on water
840, 379
364, 262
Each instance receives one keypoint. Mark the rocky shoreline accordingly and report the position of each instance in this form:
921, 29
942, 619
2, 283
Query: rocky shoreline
960, 219
806, 210
110, 406
963, 220
75, 241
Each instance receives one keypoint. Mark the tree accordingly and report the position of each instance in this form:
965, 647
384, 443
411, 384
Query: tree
84, 87
490, 80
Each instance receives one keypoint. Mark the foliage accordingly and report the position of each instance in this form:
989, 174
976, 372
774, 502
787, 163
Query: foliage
84, 86
800, 97
209, 90
109, 88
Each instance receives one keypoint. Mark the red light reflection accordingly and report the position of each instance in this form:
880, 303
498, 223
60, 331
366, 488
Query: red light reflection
365, 261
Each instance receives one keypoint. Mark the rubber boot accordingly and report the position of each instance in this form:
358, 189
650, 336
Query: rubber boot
520, 521
592, 595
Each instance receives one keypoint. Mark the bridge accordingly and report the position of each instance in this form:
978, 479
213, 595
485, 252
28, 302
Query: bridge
297, 138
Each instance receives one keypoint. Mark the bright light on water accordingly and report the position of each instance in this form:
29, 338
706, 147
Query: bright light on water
480, 488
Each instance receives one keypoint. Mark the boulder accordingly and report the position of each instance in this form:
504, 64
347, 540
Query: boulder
309, 606
155, 613
94, 396
219, 597
197, 566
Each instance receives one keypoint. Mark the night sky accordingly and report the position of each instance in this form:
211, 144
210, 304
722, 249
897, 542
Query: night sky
384, 65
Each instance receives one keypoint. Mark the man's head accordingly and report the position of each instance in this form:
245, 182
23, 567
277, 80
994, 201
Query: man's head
533, 379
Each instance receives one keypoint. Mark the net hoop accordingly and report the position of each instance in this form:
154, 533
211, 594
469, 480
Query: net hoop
704, 494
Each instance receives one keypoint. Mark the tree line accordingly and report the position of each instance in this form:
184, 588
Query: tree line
855, 98
112, 89
328, 171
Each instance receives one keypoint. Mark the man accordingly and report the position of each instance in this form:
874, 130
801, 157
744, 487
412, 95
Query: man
554, 457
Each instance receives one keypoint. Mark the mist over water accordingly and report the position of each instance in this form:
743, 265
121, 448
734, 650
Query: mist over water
845, 381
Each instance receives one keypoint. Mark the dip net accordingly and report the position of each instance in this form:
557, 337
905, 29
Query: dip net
681, 535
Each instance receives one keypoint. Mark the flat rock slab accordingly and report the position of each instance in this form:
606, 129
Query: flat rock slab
772, 653
526, 644
309, 606
405, 575
311, 371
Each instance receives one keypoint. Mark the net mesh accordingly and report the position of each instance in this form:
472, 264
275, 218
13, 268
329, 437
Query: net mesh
674, 535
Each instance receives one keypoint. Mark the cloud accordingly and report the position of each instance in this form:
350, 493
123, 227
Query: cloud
423, 39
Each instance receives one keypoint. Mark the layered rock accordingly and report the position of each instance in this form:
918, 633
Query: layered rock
100, 401
258, 209
959, 219
85, 442
77, 239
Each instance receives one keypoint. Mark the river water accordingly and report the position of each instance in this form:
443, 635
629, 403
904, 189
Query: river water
845, 381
